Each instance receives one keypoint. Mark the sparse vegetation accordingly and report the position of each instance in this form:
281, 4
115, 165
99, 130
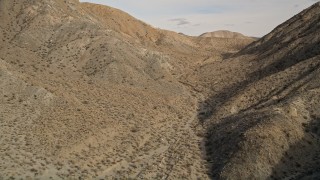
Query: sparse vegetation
88, 91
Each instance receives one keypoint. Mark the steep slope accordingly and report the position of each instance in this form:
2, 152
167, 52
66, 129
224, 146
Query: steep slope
263, 113
191, 50
80, 91
122, 22
87, 94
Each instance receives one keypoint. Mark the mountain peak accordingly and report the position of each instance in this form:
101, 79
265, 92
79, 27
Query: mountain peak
224, 34
88, 91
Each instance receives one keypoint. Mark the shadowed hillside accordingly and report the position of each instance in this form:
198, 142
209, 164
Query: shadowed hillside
261, 112
90, 92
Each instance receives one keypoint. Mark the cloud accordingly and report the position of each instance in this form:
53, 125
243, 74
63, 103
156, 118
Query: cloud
230, 25
180, 21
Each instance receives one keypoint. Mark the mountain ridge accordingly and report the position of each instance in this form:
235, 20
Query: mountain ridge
261, 118
224, 34
88, 91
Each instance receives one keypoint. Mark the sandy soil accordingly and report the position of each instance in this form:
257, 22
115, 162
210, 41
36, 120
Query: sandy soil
89, 92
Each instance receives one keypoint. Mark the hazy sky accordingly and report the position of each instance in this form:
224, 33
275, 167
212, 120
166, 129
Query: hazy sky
194, 17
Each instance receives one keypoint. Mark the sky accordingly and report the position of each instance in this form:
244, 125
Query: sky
194, 17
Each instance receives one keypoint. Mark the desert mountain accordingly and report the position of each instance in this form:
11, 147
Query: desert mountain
263, 113
224, 34
88, 91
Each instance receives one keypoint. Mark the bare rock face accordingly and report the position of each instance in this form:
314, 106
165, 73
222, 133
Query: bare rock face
88, 91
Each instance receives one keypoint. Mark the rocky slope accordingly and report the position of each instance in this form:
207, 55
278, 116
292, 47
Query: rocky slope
263, 113
88, 91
